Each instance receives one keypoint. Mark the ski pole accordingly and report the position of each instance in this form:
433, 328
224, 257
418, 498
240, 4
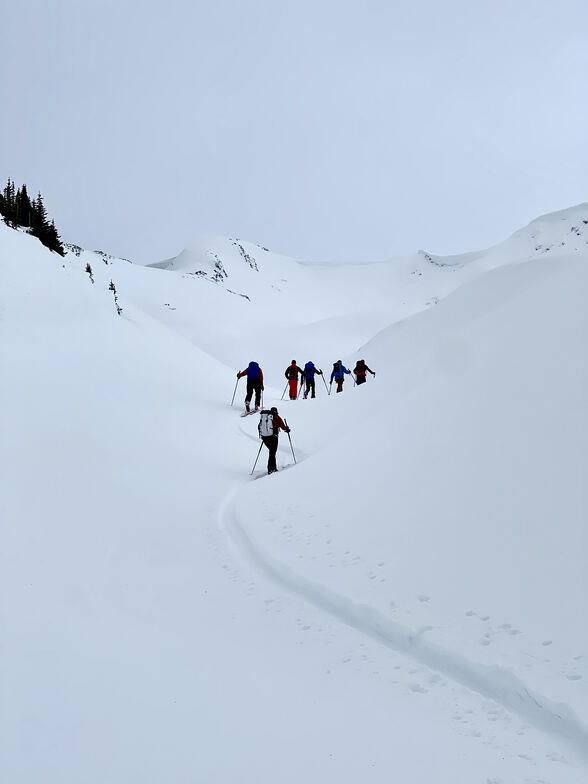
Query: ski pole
256, 459
330, 387
299, 389
235, 392
284, 392
290, 440
325, 383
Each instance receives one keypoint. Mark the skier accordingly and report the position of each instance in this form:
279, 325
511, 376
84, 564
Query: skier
270, 424
360, 370
339, 370
309, 373
254, 384
291, 374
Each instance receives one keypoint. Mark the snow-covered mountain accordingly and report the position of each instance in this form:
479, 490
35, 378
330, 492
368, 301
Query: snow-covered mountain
407, 603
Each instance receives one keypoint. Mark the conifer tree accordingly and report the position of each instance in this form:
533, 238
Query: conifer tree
13, 222
9, 206
18, 210
53, 240
17, 206
39, 223
23, 207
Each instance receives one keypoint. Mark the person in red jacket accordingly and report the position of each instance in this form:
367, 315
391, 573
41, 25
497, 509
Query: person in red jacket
291, 374
269, 430
254, 383
360, 370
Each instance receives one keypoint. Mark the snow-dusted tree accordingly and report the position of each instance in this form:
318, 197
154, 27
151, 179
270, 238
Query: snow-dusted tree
112, 288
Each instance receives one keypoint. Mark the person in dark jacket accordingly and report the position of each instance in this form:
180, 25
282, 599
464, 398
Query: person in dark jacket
338, 374
291, 374
360, 371
254, 383
271, 441
309, 373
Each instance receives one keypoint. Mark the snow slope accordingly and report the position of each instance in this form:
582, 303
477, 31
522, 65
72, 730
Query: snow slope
407, 603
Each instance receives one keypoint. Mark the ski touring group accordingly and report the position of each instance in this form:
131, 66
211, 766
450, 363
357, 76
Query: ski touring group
297, 380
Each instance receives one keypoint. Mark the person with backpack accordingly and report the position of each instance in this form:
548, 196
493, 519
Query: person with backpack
360, 371
309, 373
338, 374
291, 374
270, 424
254, 383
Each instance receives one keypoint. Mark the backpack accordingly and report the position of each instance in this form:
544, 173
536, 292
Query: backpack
266, 423
253, 370
309, 369
292, 372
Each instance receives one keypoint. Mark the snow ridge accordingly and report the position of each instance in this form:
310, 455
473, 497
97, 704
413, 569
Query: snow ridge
493, 682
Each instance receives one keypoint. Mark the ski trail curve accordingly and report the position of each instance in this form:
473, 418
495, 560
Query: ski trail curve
490, 681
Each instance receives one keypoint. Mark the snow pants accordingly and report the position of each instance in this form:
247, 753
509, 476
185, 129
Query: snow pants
253, 385
293, 383
309, 387
272, 444
339, 384
360, 379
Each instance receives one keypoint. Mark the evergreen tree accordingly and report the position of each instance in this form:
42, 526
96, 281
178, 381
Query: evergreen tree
9, 205
12, 206
16, 207
18, 210
53, 240
39, 223
23, 207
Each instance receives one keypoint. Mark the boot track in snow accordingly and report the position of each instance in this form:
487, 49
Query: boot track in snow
490, 681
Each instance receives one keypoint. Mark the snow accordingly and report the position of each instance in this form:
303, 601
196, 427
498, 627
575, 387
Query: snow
406, 603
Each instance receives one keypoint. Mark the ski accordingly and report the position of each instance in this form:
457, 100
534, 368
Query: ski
247, 413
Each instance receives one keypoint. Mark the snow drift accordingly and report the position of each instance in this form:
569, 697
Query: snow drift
405, 603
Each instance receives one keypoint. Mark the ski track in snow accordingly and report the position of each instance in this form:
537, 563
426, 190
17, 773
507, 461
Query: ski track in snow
490, 681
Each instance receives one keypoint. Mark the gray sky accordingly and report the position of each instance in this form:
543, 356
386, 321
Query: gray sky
319, 128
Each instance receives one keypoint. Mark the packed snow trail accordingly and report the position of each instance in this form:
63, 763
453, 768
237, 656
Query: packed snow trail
494, 682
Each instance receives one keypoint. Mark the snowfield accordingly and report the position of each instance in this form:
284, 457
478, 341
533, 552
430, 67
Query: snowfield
407, 603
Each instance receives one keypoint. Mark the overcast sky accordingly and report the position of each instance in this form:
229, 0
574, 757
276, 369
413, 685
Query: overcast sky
320, 128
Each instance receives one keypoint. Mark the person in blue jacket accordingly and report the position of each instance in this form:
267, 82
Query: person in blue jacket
338, 374
309, 373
